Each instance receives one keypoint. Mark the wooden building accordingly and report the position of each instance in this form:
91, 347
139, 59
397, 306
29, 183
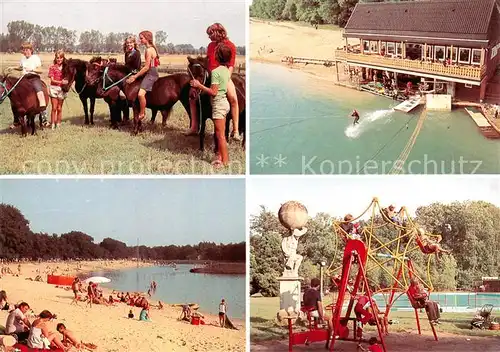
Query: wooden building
453, 42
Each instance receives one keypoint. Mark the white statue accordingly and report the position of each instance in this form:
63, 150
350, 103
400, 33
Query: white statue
289, 246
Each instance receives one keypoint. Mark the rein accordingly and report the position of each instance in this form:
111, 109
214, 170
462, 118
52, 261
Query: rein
84, 86
6, 91
105, 75
205, 76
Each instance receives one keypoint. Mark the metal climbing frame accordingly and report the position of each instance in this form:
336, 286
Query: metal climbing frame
383, 254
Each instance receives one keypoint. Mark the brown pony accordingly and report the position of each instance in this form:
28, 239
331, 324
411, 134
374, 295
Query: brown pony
167, 90
23, 100
197, 69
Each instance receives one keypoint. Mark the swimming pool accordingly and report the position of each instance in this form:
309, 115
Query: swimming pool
449, 301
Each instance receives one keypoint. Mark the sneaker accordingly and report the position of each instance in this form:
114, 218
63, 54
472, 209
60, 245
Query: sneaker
43, 115
53, 126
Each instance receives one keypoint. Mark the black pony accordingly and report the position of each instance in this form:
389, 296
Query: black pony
198, 69
76, 71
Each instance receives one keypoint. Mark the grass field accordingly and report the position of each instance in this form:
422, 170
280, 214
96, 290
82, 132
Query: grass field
264, 326
78, 149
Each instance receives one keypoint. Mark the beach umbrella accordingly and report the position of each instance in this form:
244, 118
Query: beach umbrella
98, 280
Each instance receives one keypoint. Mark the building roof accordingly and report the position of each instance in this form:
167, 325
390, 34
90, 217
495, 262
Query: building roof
459, 19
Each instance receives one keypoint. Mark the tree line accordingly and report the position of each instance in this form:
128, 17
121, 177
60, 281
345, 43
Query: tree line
17, 241
50, 39
315, 12
474, 239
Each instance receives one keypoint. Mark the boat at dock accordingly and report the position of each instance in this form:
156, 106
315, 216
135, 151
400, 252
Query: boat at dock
482, 123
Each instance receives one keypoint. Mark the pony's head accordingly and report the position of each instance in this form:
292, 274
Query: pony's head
95, 68
3, 84
71, 69
198, 68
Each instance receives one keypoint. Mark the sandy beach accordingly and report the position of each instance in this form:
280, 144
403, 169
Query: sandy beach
270, 41
108, 327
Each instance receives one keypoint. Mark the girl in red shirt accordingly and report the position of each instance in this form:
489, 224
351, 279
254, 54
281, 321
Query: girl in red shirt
217, 34
56, 93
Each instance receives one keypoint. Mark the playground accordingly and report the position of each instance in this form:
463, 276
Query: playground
357, 312
454, 333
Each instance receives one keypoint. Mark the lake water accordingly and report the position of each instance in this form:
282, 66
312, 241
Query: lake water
181, 286
302, 125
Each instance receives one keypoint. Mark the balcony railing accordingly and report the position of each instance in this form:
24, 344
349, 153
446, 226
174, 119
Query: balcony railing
468, 72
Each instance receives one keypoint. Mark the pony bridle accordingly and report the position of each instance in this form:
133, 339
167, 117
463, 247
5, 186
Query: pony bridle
205, 76
92, 83
4, 94
6, 91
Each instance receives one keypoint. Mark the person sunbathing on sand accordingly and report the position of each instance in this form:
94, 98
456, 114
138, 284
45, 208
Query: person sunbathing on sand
186, 313
144, 315
111, 300
69, 338
40, 336
101, 300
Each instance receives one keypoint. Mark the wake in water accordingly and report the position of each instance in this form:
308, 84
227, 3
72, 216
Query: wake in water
354, 131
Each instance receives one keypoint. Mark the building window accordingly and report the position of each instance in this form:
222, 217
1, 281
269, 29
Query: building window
399, 51
451, 54
391, 49
464, 56
429, 55
439, 53
374, 47
366, 46
476, 56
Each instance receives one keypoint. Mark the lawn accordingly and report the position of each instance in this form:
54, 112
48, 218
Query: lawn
78, 149
266, 332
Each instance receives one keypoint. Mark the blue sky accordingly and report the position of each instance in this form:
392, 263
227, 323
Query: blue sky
185, 21
158, 211
340, 195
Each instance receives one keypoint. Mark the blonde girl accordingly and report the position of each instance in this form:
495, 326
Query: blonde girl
149, 71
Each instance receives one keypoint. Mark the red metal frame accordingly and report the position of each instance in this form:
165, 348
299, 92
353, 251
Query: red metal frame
355, 253
314, 334
409, 265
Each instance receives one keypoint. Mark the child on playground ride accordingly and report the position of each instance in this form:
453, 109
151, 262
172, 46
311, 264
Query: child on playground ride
363, 315
390, 213
348, 230
421, 298
356, 233
428, 245
312, 300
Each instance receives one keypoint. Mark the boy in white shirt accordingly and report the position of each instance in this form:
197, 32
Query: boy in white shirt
31, 67
222, 313
17, 323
